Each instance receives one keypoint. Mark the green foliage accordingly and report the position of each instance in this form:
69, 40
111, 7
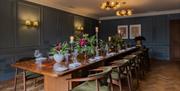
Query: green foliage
85, 44
117, 41
102, 44
60, 48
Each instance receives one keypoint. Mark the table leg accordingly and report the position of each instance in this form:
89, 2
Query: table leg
56, 83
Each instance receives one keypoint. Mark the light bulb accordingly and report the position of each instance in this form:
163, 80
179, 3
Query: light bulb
129, 12
123, 12
118, 5
28, 23
117, 13
107, 8
35, 23
112, 4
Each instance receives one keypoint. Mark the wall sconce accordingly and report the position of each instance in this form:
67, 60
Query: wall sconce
35, 24
80, 28
29, 23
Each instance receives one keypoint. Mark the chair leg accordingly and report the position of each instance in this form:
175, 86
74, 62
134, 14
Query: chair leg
129, 78
15, 79
137, 73
119, 81
97, 85
138, 69
24, 80
35, 81
142, 67
110, 84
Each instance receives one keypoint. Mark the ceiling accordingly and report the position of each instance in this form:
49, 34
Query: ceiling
91, 8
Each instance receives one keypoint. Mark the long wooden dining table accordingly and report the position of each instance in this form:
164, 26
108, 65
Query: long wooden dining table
56, 81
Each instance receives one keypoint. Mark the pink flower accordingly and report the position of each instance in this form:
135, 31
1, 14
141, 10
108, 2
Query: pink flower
58, 46
82, 42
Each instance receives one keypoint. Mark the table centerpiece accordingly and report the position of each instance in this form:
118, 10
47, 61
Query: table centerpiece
85, 45
58, 52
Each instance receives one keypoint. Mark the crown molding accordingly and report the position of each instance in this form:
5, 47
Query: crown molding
142, 14
63, 8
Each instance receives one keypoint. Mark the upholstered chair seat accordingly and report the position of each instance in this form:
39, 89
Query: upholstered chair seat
90, 86
94, 81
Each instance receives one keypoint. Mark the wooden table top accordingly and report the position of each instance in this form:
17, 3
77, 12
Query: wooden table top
47, 66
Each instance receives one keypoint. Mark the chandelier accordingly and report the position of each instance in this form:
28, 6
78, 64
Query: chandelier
110, 5
124, 12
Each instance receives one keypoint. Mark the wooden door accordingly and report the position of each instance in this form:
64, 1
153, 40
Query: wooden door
175, 40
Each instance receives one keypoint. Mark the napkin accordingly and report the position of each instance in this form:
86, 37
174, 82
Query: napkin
120, 51
40, 60
92, 60
111, 54
74, 65
98, 57
60, 69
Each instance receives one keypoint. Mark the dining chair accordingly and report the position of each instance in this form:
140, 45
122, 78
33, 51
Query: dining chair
26, 75
94, 81
141, 54
146, 59
133, 68
121, 72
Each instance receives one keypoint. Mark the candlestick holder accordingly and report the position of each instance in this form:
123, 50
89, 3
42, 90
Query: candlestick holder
97, 51
107, 49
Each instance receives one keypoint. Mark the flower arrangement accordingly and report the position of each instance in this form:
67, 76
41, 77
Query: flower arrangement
85, 44
60, 48
117, 42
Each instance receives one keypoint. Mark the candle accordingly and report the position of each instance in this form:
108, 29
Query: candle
119, 31
97, 30
109, 38
71, 39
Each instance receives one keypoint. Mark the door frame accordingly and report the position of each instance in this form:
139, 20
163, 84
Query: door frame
170, 40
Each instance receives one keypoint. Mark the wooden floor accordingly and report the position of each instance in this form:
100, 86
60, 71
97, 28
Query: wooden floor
164, 76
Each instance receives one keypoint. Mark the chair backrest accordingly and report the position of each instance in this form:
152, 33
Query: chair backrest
120, 62
105, 71
25, 59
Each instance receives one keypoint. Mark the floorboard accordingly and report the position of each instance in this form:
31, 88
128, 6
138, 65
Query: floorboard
163, 76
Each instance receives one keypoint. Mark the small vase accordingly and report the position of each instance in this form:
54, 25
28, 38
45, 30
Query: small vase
67, 58
58, 58
75, 54
85, 58
57, 66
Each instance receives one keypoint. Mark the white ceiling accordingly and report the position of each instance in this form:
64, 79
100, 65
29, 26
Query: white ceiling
91, 8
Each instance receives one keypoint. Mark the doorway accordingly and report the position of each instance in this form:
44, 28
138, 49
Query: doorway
175, 40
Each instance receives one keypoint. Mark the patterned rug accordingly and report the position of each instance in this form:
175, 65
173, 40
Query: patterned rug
164, 76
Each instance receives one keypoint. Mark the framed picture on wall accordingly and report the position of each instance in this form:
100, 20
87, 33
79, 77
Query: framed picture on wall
135, 30
123, 29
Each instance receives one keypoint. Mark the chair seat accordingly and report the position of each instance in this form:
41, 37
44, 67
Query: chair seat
90, 86
31, 75
116, 77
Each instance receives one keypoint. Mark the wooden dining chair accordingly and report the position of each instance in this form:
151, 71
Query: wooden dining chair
146, 59
26, 75
133, 68
140, 63
93, 81
121, 72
